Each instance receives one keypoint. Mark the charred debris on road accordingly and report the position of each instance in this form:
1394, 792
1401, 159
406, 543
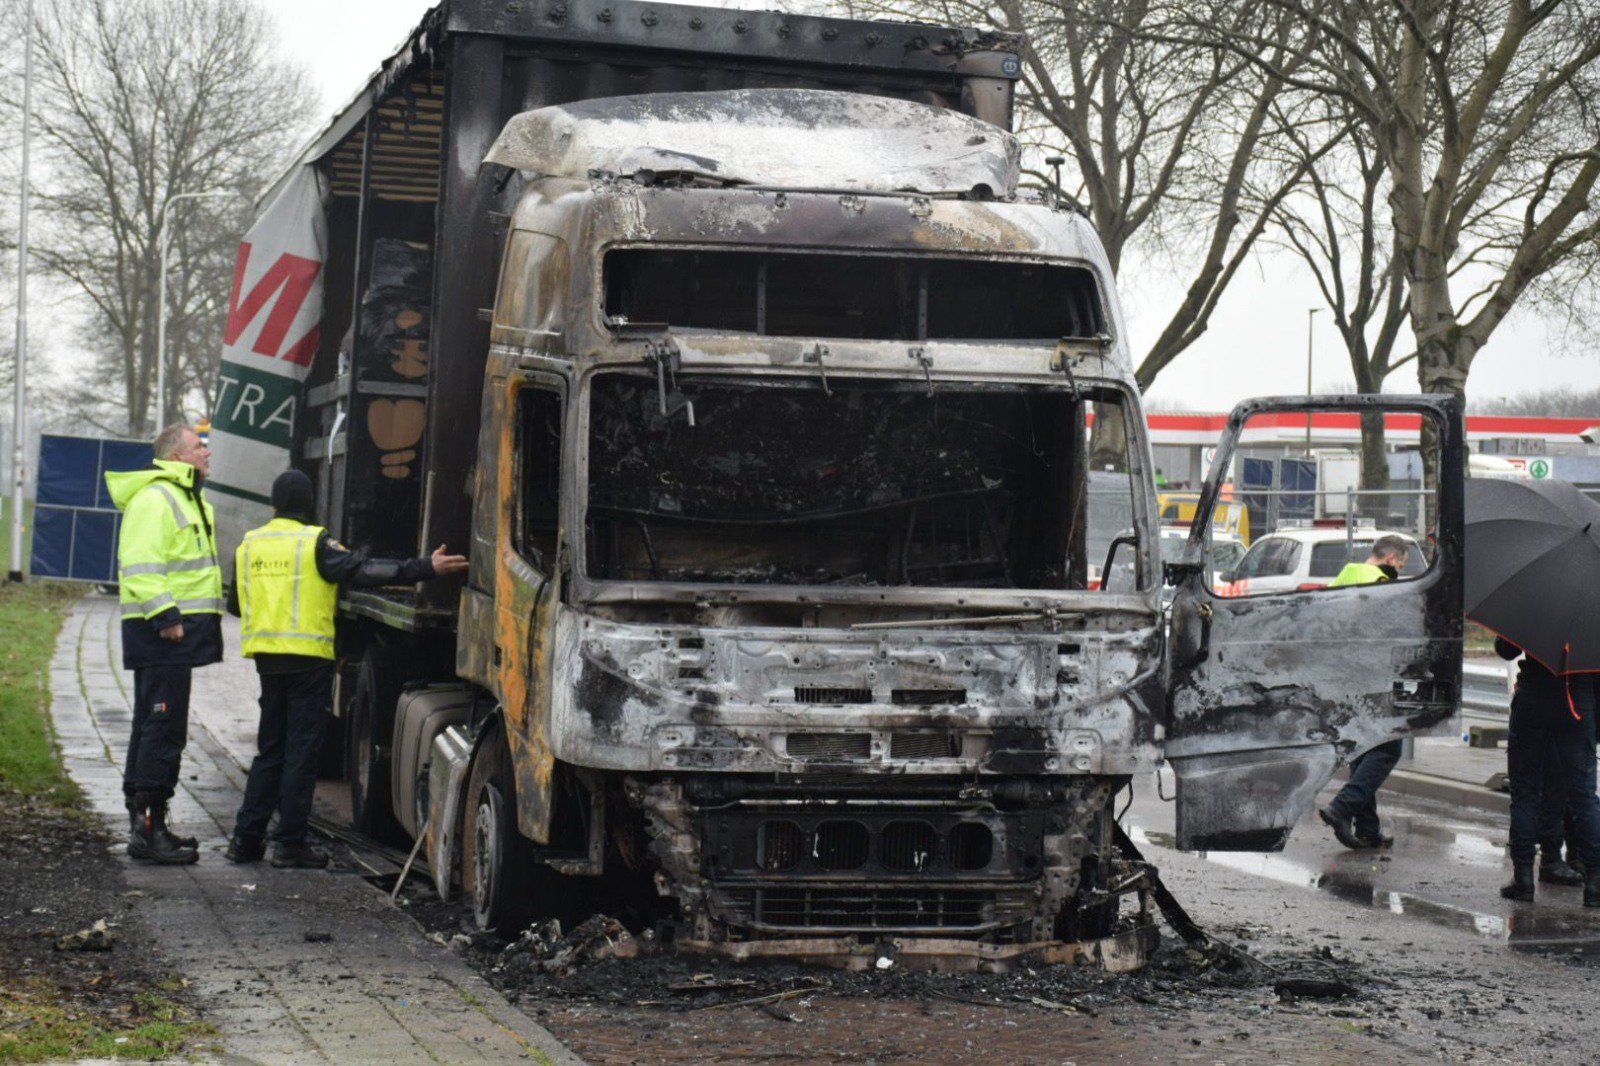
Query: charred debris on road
600, 963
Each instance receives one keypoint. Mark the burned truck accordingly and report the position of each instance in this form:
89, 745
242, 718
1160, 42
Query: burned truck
765, 399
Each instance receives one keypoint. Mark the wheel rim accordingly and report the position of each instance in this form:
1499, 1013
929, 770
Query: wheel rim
485, 856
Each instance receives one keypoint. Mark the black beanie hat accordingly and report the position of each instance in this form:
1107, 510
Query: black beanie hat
292, 495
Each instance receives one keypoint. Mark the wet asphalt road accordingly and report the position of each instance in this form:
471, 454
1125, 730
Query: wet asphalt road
1457, 973
1443, 873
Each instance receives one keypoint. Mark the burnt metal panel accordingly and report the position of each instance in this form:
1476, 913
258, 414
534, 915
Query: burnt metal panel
463, 277
1269, 693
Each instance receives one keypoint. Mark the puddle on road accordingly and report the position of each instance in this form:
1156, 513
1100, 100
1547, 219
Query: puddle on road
1538, 930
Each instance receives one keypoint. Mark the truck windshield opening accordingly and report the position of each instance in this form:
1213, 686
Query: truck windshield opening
871, 484
857, 297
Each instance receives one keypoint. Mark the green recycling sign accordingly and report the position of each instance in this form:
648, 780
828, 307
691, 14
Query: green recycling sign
1540, 469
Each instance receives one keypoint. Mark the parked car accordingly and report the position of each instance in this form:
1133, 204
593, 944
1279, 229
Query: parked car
1292, 559
1227, 551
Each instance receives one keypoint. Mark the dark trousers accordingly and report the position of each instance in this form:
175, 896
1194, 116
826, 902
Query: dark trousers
1544, 732
1358, 799
295, 708
1555, 824
160, 730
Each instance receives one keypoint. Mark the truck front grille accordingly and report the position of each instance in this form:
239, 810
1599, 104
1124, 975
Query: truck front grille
924, 746
927, 697
864, 909
909, 847
819, 694
828, 745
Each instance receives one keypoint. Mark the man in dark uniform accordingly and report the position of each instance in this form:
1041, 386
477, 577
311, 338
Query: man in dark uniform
1551, 746
286, 589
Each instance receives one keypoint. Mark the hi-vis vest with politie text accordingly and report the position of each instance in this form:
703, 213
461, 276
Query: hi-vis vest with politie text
287, 607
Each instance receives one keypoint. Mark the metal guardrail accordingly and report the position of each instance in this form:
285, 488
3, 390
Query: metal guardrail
1486, 690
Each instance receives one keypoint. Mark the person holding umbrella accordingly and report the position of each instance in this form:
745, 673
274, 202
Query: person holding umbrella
1534, 682
1532, 567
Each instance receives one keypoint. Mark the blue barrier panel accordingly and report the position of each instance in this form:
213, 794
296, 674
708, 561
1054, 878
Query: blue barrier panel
75, 523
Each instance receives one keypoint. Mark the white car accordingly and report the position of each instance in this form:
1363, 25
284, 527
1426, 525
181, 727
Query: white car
1293, 559
1227, 550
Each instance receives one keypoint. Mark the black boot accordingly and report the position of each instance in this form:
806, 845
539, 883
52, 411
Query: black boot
299, 857
149, 841
1521, 886
245, 849
1553, 871
1591, 889
172, 838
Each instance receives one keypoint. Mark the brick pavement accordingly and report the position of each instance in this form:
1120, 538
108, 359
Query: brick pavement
376, 990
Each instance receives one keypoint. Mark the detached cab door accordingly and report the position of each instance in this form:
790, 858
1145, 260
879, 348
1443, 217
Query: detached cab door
1278, 676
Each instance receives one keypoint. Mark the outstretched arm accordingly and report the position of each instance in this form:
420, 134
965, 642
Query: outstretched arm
355, 569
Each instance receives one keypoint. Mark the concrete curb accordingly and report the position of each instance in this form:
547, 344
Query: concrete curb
1449, 790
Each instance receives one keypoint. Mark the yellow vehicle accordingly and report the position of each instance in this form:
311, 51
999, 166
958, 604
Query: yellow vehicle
1230, 516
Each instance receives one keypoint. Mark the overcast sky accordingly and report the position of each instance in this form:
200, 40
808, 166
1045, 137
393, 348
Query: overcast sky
1256, 344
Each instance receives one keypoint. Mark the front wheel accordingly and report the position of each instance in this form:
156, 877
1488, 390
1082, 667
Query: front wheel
504, 884
496, 867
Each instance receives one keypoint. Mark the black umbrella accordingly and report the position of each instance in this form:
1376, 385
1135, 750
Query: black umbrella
1533, 569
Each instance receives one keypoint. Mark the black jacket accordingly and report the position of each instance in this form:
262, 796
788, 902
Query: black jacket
142, 645
348, 569
1537, 681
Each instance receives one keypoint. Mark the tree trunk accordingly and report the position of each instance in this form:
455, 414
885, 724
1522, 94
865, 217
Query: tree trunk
1437, 372
1375, 470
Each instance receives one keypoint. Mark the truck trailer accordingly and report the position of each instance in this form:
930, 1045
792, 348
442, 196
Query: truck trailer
763, 393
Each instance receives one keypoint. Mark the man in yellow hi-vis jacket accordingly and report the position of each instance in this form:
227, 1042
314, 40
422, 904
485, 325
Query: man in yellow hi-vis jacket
171, 590
287, 582
1353, 814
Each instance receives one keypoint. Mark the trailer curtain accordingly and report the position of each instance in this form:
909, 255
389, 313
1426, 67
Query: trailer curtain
273, 329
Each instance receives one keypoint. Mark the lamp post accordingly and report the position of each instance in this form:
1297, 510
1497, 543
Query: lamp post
1310, 316
19, 436
161, 297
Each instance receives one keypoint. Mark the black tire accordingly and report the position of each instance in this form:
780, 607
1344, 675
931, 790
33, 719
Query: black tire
497, 868
504, 886
368, 735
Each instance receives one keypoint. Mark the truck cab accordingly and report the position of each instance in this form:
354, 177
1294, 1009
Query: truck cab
785, 484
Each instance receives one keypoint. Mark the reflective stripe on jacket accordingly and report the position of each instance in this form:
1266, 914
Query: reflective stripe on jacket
285, 604
1359, 574
166, 551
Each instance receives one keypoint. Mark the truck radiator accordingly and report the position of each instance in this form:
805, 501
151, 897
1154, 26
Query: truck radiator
858, 908
828, 745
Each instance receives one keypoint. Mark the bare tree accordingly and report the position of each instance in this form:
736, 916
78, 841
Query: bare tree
1485, 114
1336, 226
136, 101
1175, 143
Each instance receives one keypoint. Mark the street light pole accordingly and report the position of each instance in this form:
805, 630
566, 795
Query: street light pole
19, 436
1310, 315
161, 299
